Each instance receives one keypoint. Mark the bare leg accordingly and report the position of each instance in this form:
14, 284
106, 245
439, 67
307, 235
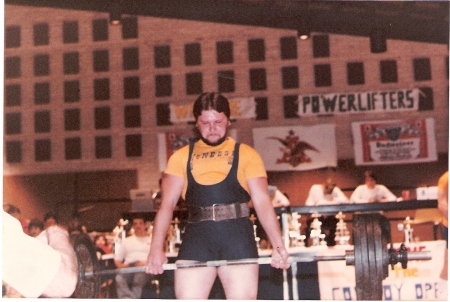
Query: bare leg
240, 281
194, 283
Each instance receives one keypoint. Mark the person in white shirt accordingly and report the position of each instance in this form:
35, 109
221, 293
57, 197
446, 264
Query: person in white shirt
43, 266
277, 197
370, 191
133, 251
325, 194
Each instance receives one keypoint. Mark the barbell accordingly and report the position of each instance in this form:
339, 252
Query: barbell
370, 256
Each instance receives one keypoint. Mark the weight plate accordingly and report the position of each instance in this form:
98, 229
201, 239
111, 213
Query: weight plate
369, 256
87, 287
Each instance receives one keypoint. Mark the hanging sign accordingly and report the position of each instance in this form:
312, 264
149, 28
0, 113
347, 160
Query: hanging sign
296, 147
240, 108
359, 102
394, 142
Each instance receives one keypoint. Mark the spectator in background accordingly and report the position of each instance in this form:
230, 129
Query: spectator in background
101, 242
370, 191
278, 198
101, 248
133, 251
325, 194
50, 219
35, 227
15, 212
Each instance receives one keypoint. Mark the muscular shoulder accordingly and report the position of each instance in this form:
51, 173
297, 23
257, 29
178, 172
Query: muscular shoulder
251, 161
177, 162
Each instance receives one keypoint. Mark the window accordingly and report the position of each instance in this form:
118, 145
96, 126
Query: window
71, 63
13, 152
103, 147
41, 93
355, 73
256, 50
72, 119
290, 106
133, 145
102, 117
100, 29
224, 50
192, 54
101, 89
13, 123
162, 56
288, 47
101, 60
163, 85
388, 70
42, 121
322, 75
225, 80
194, 83
258, 79
13, 95
422, 69
42, 150
71, 91
72, 146
41, 65
12, 36
70, 32
290, 77
321, 46
132, 116
40, 34
131, 88
12, 67
130, 58
129, 28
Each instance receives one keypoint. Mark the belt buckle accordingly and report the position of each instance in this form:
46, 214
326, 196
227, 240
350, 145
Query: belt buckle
214, 211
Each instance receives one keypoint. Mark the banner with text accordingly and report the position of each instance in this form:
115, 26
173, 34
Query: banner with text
241, 108
394, 142
296, 147
170, 142
359, 102
419, 281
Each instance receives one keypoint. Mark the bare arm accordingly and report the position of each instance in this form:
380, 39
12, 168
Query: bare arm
267, 216
171, 188
443, 202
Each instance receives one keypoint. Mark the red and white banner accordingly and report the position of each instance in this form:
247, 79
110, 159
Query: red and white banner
419, 281
241, 108
296, 147
394, 142
359, 102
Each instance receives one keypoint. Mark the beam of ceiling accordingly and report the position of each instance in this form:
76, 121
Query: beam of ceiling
422, 21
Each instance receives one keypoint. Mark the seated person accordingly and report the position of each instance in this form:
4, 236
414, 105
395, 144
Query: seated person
45, 266
277, 197
370, 191
325, 194
35, 227
133, 251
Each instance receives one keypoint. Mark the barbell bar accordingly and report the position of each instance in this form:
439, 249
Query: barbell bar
371, 258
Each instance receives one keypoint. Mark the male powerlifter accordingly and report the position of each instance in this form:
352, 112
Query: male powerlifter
217, 177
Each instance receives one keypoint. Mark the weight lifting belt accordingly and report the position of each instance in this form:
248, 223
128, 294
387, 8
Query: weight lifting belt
218, 212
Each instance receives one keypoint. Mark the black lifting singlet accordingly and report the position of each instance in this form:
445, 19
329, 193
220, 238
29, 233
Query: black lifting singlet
227, 191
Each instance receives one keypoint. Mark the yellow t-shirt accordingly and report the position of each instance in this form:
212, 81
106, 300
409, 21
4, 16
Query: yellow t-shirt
210, 165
